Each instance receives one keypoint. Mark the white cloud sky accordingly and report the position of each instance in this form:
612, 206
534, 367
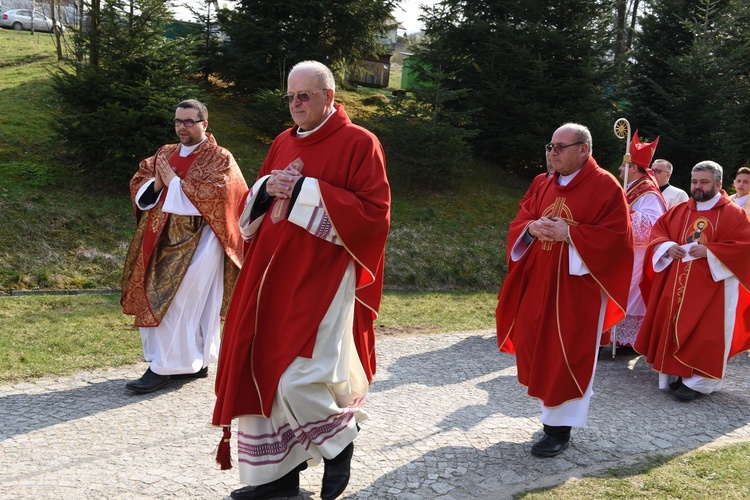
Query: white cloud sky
408, 12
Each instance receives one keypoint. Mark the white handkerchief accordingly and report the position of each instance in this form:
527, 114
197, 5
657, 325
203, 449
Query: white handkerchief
687, 247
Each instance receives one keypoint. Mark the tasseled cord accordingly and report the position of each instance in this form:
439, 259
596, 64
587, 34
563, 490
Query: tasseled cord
224, 452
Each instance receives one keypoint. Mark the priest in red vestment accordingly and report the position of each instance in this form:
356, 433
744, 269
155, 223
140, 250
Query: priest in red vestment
298, 351
186, 250
696, 281
572, 252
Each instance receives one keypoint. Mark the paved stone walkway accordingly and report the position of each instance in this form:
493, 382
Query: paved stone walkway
448, 420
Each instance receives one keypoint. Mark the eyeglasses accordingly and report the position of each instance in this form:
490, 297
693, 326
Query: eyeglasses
558, 148
301, 96
658, 171
188, 123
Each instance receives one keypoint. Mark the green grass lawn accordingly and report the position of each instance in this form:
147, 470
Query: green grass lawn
702, 474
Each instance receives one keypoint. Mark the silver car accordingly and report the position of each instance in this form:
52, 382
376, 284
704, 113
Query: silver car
20, 19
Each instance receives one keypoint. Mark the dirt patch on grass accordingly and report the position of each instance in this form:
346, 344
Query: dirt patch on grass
404, 330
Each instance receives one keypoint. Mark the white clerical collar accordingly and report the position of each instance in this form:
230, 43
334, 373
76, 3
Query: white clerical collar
305, 133
741, 200
186, 150
566, 179
702, 206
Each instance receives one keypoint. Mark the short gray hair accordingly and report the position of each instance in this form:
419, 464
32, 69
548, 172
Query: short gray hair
710, 166
323, 74
583, 134
667, 163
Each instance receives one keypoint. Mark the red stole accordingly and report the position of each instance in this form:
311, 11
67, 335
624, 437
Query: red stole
157, 222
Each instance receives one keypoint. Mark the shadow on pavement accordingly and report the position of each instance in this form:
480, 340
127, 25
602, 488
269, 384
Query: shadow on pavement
23, 413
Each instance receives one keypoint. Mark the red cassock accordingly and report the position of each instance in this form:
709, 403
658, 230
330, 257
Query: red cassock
290, 276
548, 317
683, 331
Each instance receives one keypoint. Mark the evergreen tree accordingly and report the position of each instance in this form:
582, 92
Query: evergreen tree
531, 65
268, 38
120, 93
207, 50
690, 82
425, 139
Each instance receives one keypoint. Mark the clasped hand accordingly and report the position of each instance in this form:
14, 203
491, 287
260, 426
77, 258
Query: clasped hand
679, 253
163, 174
549, 229
282, 182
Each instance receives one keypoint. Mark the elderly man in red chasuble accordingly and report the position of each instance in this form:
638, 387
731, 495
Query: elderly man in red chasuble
696, 281
298, 353
571, 254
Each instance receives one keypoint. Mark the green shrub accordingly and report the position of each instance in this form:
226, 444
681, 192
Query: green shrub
269, 115
421, 153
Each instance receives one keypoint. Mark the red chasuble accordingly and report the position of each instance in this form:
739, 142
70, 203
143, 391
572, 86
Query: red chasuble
534, 186
290, 275
683, 331
548, 317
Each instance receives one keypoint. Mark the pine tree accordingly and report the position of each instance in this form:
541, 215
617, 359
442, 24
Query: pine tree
267, 38
120, 93
531, 65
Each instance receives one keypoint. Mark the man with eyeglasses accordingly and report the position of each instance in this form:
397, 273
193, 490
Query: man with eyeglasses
673, 195
696, 280
186, 250
298, 352
570, 254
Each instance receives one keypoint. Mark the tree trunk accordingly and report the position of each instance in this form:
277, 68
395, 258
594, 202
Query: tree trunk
95, 32
57, 32
631, 30
620, 31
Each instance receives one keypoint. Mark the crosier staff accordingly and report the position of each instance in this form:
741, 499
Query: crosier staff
622, 131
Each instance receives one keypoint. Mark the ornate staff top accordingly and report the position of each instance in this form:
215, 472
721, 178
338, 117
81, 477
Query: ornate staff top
622, 131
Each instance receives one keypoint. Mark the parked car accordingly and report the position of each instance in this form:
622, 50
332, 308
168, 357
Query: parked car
20, 19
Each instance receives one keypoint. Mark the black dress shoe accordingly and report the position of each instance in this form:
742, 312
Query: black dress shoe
550, 446
336, 473
286, 486
676, 384
148, 382
202, 373
685, 393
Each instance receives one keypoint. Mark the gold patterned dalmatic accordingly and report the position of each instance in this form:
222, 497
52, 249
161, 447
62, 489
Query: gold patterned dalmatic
164, 244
